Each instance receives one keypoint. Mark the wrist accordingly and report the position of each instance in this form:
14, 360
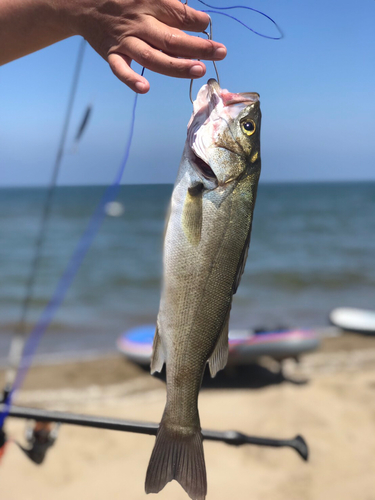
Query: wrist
78, 16
66, 14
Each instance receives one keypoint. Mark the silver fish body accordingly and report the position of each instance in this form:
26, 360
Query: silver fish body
205, 249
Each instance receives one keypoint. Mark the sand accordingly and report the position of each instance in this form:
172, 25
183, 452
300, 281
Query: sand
329, 399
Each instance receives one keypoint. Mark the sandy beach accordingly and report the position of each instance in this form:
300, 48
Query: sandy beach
329, 398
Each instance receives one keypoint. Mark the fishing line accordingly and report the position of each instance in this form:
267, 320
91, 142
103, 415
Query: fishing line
235, 19
18, 340
71, 270
217, 9
209, 35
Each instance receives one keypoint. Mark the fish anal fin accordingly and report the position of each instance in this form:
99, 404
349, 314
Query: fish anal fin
219, 357
178, 456
192, 214
158, 356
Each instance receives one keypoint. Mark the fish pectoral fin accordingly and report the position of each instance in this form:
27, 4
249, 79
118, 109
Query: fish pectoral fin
219, 357
158, 356
192, 214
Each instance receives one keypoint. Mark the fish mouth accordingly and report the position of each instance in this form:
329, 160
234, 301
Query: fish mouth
229, 98
203, 168
214, 85
213, 108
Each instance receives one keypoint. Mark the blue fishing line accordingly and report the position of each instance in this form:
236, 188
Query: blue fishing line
66, 279
217, 9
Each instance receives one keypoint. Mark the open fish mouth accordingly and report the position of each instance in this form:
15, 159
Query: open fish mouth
230, 98
214, 108
202, 167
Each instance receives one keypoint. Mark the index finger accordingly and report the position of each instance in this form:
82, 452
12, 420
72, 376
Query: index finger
180, 15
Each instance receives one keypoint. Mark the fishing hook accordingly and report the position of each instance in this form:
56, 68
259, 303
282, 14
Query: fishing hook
209, 35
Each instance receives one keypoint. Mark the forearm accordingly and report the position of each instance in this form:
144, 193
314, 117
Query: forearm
30, 25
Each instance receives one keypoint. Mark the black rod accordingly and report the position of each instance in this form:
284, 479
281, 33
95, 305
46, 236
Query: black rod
20, 334
230, 437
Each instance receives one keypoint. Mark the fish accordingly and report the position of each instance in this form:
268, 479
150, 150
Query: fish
206, 243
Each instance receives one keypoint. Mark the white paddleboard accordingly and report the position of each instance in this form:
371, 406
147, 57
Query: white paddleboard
356, 320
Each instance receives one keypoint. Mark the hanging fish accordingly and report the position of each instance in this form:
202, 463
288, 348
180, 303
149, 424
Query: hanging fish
205, 249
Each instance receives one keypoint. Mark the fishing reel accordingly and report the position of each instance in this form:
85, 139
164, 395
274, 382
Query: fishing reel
40, 437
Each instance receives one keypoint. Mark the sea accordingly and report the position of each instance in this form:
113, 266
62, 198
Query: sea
312, 249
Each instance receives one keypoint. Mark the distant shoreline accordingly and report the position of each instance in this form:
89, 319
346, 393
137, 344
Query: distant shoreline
262, 182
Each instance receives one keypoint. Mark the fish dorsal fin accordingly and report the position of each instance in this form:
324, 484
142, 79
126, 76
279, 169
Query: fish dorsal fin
242, 263
192, 214
158, 356
219, 357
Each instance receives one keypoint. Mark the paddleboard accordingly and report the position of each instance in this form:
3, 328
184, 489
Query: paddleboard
352, 319
245, 346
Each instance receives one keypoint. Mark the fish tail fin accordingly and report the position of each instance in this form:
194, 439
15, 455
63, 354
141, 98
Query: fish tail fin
178, 456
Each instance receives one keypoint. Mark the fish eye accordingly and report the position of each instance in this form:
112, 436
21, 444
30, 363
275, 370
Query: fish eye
248, 127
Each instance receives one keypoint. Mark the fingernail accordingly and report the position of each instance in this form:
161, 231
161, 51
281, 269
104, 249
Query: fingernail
140, 87
220, 53
196, 70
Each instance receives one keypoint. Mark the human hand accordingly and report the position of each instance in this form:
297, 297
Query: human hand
148, 32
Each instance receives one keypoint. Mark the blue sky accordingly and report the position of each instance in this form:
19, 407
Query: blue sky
317, 89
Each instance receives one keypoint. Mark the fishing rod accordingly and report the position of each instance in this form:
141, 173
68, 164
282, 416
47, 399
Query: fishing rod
20, 334
68, 275
15, 356
233, 438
